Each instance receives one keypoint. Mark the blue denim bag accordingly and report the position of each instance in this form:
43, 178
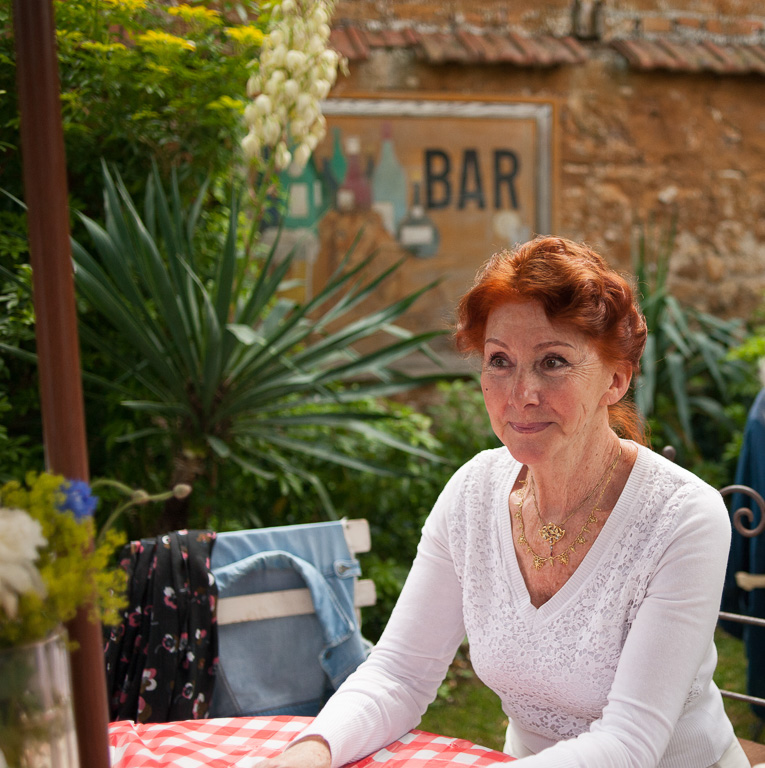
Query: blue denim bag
289, 665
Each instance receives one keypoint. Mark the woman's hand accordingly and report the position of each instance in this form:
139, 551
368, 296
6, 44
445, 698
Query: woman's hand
311, 752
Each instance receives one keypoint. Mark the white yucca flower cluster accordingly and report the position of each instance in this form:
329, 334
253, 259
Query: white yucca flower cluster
296, 71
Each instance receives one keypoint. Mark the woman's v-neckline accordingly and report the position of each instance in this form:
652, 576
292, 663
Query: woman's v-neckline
612, 528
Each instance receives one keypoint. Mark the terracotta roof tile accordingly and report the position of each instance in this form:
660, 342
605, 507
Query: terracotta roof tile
671, 57
578, 52
564, 50
340, 41
358, 41
476, 45
673, 52
441, 47
754, 55
533, 52
634, 53
728, 61
688, 56
685, 57
344, 43
459, 45
707, 61
505, 50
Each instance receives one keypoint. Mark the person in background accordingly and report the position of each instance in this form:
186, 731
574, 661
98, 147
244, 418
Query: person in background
747, 554
585, 570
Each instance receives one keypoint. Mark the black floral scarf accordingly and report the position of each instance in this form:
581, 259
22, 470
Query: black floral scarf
161, 660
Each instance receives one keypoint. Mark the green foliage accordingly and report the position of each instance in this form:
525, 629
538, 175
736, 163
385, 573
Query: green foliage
687, 376
141, 80
19, 403
221, 365
69, 568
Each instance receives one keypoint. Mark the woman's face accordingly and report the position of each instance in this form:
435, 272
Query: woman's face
546, 389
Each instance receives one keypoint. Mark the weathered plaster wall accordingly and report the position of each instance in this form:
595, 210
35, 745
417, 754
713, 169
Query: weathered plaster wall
631, 145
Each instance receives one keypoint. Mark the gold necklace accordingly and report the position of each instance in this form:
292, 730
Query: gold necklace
552, 533
561, 557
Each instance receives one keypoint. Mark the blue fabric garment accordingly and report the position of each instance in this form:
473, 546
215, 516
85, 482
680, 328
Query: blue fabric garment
748, 554
290, 665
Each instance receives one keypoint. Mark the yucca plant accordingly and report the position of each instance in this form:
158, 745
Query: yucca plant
231, 369
686, 374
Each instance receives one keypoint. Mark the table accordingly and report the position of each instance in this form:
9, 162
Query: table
241, 742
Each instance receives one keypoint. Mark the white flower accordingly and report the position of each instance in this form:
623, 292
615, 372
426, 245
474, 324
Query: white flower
302, 155
275, 81
295, 61
263, 105
251, 145
271, 130
283, 156
320, 89
20, 538
296, 72
253, 86
291, 89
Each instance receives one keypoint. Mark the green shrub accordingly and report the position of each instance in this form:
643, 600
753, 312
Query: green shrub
690, 389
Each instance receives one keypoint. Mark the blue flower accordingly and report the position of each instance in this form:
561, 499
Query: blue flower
78, 499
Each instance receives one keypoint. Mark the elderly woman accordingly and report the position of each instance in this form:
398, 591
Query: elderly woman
585, 570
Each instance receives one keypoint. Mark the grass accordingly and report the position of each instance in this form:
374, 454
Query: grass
467, 709
731, 675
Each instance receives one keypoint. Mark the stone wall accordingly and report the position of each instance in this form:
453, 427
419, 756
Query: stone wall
633, 144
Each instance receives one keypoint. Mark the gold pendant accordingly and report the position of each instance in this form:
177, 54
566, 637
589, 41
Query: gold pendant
539, 561
552, 533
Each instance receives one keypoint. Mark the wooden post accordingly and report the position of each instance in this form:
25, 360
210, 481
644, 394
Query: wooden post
45, 191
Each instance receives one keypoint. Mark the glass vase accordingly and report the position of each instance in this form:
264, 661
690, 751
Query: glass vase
36, 715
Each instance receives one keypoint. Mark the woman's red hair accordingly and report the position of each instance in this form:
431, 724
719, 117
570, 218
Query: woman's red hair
575, 287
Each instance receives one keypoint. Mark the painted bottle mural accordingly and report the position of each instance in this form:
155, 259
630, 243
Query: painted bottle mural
354, 194
338, 165
417, 233
305, 200
389, 183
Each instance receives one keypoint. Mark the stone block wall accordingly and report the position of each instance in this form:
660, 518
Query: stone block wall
662, 116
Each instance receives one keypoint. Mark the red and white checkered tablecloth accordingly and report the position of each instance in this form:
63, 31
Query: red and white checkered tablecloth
241, 742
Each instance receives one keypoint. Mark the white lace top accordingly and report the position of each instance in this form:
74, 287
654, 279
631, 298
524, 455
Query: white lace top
614, 670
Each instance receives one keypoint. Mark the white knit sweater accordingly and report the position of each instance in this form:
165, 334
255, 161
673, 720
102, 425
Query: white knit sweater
614, 670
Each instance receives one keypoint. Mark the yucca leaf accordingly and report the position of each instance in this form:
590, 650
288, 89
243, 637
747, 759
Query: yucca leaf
359, 423
287, 468
106, 299
280, 384
192, 219
139, 434
668, 328
212, 371
220, 447
225, 359
379, 358
151, 406
677, 380
359, 329
712, 354
224, 281
250, 467
320, 450
645, 388
712, 408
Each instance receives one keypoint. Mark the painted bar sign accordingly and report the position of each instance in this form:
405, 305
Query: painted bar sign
442, 182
